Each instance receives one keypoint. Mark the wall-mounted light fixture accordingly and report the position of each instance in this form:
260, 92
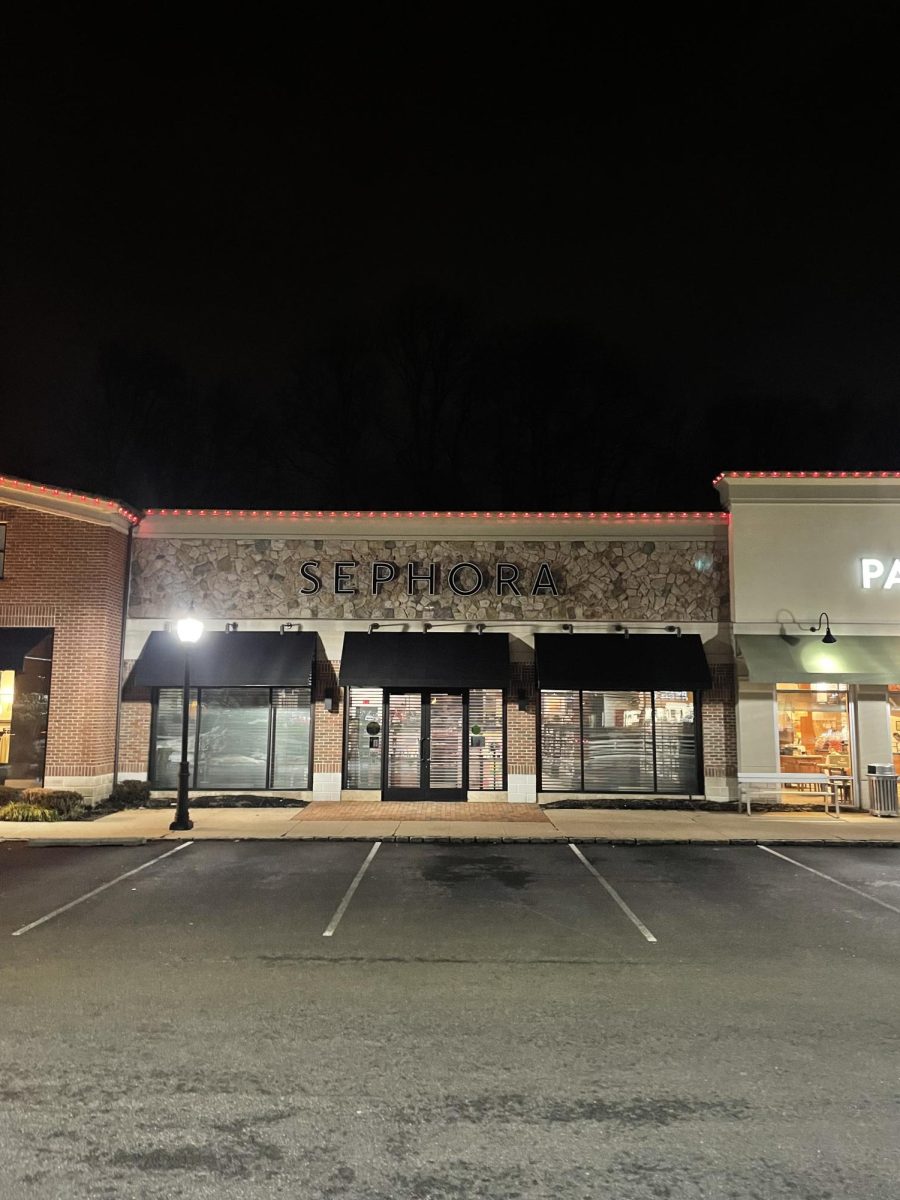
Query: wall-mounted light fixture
373, 627
231, 626
479, 628
330, 702
522, 700
829, 639
286, 625
676, 629
568, 627
623, 629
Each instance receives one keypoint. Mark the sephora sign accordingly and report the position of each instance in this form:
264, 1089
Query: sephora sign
462, 578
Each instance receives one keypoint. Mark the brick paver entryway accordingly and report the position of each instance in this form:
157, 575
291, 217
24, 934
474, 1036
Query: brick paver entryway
386, 810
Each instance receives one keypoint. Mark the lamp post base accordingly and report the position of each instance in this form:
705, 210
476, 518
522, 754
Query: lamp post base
182, 811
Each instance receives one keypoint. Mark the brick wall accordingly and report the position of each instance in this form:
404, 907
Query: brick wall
521, 722
134, 729
719, 729
328, 727
69, 574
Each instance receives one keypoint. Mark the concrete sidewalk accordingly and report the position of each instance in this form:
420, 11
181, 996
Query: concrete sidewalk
579, 825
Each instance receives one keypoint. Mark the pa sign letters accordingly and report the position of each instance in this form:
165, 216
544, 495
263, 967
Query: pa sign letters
880, 573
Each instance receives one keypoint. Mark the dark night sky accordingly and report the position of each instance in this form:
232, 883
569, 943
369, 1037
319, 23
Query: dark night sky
670, 248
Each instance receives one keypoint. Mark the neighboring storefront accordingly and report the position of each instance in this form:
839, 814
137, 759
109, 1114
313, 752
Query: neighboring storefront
816, 550
442, 656
63, 564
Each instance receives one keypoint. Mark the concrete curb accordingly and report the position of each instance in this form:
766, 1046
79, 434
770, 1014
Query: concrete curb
441, 840
135, 841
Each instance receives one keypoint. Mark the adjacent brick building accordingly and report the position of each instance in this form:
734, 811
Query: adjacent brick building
64, 564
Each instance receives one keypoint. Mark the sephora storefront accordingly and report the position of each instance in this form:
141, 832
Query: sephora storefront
434, 656
815, 582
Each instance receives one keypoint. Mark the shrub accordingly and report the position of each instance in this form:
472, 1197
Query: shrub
68, 806
21, 810
131, 793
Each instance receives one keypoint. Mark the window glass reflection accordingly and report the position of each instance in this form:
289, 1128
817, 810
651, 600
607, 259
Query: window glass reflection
243, 737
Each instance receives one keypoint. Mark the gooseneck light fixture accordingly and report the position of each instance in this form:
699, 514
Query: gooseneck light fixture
829, 639
189, 631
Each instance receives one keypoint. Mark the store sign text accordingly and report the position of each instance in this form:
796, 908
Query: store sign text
880, 573
463, 578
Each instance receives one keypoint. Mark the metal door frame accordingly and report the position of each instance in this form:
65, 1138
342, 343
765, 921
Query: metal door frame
424, 791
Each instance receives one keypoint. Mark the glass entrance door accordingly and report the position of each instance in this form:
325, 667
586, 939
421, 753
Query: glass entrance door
426, 749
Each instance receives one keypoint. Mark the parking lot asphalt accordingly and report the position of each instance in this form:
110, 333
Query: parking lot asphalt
479, 1021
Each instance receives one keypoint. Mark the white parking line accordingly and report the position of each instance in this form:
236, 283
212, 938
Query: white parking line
831, 879
615, 895
97, 890
348, 895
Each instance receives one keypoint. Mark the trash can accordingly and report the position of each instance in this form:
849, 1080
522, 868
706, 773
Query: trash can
883, 790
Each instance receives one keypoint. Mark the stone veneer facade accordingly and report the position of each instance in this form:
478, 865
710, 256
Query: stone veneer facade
599, 579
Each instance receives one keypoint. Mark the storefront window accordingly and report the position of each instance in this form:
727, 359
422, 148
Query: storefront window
894, 698
618, 742
232, 746
242, 737
24, 705
676, 741
813, 729
365, 737
290, 749
561, 741
166, 751
485, 740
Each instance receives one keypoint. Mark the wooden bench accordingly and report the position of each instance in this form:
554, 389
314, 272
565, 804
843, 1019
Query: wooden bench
773, 782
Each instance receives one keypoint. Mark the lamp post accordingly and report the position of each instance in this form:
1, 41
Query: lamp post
189, 631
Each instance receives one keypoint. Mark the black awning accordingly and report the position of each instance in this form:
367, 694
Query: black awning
466, 660
17, 644
614, 662
227, 660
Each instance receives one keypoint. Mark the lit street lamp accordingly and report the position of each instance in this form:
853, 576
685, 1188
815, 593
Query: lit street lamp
189, 631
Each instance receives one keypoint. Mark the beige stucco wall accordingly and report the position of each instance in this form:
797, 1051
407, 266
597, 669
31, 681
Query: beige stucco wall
757, 734
792, 560
872, 725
